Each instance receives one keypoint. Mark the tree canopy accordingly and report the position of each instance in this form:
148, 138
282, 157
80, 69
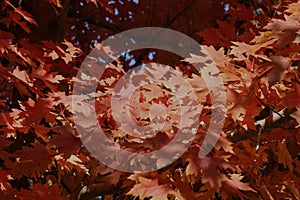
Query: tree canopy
254, 45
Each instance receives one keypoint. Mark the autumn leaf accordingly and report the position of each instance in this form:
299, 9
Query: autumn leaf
242, 50
73, 162
218, 57
17, 19
255, 47
4, 43
42, 74
284, 156
279, 65
56, 3
292, 98
65, 141
296, 115
237, 102
234, 186
27, 16
210, 171
235, 183
225, 144
281, 25
23, 76
32, 160
4, 180
209, 168
71, 52
293, 10
35, 111
151, 188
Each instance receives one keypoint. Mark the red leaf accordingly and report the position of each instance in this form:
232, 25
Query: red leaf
27, 16
292, 98
151, 188
284, 156
65, 141
235, 183
4, 178
31, 160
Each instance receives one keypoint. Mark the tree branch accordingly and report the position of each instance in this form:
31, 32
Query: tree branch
245, 135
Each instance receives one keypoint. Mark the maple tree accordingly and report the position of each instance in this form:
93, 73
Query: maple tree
254, 45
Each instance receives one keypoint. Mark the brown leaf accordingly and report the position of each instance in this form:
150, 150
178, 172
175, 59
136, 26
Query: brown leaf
35, 111
242, 50
65, 141
4, 180
31, 160
281, 25
27, 16
279, 65
284, 156
296, 115
235, 183
151, 188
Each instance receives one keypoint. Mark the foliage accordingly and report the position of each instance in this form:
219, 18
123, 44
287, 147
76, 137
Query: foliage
255, 47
